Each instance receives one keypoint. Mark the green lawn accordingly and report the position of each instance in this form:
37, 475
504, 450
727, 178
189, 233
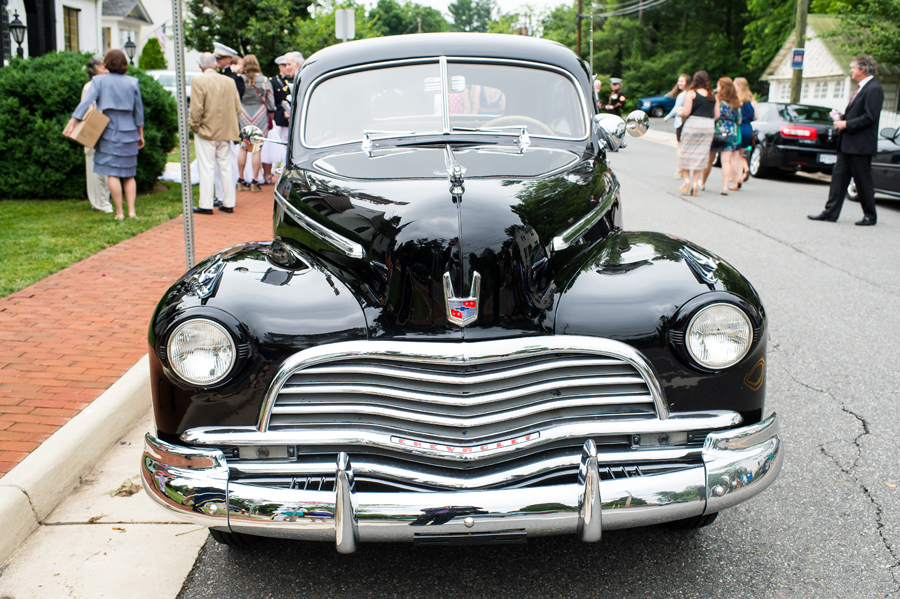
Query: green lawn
175, 155
40, 237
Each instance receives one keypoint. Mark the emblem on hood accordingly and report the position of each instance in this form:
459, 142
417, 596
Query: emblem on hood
462, 311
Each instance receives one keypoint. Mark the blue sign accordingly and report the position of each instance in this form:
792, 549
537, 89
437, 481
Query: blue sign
797, 58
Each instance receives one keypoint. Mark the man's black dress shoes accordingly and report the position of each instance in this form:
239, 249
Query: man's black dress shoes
866, 222
226, 209
822, 216
199, 210
217, 202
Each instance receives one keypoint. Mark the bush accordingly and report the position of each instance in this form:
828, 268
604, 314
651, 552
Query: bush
37, 98
152, 56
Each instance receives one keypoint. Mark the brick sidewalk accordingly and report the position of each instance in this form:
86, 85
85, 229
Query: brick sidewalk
66, 339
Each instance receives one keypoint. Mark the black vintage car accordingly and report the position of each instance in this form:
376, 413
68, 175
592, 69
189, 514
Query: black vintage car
451, 338
885, 166
791, 138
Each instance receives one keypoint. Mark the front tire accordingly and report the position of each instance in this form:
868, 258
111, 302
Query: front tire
693, 523
756, 166
852, 192
657, 111
233, 539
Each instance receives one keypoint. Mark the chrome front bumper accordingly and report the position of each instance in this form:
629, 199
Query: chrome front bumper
737, 465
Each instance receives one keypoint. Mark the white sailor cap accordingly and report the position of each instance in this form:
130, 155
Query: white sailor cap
281, 59
221, 50
615, 81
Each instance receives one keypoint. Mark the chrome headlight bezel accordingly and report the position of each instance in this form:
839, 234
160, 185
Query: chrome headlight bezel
225, 338
743, 329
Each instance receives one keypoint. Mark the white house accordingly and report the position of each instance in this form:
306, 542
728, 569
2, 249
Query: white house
89, 26
826, 73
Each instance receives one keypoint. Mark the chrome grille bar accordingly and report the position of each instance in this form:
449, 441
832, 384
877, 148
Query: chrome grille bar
486, 388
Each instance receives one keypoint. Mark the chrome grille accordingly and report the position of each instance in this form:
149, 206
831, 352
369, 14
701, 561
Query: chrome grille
484, 394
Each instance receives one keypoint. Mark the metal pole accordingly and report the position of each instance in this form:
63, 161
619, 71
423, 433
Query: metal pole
591, 42
799, 42
187, 199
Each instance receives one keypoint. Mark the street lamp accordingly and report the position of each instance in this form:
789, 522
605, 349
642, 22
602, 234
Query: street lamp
129, 49
18, 29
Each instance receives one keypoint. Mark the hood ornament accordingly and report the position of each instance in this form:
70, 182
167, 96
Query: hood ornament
462, 311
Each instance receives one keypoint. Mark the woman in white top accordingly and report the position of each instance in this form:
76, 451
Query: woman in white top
680, 89
97, 185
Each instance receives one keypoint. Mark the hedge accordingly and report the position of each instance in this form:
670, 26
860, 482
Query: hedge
37, 98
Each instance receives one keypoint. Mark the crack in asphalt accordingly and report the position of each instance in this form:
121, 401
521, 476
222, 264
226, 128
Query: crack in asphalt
879, 510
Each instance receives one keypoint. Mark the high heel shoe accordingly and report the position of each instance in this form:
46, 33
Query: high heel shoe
120, 217
694, 190
132, 215
685, 187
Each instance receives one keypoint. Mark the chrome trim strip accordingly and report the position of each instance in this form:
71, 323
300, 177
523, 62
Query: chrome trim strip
372, 467
193, 486
338, 242
478, 400
452, 420
460, 353
445, 95
590, 527
371, 437
571, 235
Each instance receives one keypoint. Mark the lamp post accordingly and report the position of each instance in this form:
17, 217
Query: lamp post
18, 29
129, 49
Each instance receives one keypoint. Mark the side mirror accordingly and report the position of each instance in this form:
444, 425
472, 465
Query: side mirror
637, 123
611, 129
889, 133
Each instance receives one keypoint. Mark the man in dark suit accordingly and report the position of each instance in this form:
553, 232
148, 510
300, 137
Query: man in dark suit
858, 129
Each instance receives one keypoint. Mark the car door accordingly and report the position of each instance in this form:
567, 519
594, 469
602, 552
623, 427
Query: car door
886, 165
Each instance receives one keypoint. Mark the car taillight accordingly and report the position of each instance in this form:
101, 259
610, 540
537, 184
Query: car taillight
799, 132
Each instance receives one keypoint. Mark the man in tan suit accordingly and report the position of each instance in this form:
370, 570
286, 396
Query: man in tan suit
215, 110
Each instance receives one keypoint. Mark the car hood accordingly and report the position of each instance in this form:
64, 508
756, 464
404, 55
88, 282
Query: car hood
398, 231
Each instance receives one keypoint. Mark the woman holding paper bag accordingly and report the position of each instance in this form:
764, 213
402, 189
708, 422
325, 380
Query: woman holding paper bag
97, 185
118, 96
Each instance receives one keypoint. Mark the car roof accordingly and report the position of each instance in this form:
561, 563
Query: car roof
425, 45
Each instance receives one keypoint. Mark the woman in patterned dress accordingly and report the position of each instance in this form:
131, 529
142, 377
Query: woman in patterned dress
728, 123
257, 104
699, 114
118, 96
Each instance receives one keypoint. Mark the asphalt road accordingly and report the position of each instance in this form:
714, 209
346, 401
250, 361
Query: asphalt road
829, 527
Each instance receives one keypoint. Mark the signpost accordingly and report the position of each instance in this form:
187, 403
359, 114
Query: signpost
344, 24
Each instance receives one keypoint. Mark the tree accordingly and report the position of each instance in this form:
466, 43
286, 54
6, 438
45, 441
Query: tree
471, 15
872, 25
389, 17
152, 56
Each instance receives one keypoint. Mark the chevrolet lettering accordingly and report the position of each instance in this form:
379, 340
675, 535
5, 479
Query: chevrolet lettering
451, 336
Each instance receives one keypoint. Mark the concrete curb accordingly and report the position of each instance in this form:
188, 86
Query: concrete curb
32, 490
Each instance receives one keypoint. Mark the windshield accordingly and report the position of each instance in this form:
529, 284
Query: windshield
796, 113
409, 100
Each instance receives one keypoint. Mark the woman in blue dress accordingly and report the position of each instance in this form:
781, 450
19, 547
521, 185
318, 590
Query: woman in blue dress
118, 96
748, 114
728, 123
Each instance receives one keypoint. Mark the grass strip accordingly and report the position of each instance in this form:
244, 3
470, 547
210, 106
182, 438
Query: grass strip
40, 237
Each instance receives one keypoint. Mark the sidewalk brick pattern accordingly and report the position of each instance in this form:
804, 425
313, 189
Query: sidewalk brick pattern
66, 339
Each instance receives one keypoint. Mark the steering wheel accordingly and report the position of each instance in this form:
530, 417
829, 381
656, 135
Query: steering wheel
518, 119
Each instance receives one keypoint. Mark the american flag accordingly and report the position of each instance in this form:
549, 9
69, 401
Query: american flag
160, 34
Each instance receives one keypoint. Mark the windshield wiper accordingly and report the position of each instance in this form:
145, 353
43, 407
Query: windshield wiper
368, 147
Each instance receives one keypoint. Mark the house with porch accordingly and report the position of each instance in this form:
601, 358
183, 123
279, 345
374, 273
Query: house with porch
826, 72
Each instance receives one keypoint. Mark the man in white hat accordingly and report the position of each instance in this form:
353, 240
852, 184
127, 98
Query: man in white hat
223, 56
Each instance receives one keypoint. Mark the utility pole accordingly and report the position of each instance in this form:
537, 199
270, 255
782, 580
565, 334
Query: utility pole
578, 18
799, 44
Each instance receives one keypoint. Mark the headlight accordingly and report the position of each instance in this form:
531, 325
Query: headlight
719, 336
201, 351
